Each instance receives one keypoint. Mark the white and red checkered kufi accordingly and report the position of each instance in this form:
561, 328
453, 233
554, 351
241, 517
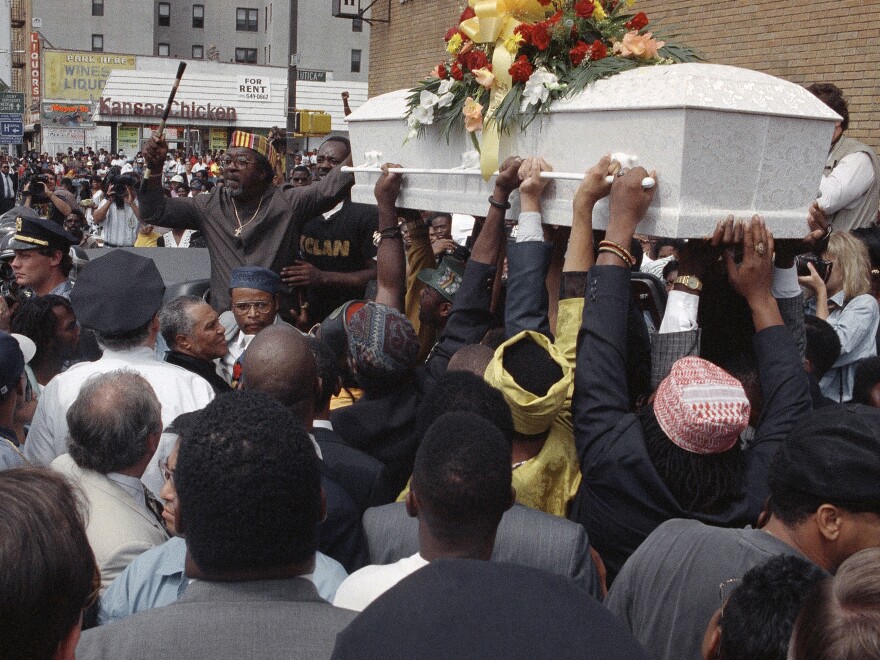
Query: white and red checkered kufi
701, 407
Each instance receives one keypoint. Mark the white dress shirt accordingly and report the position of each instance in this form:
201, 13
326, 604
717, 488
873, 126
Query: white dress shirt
177, 389
846, 184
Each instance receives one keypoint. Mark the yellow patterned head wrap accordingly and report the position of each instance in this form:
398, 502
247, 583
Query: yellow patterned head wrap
531, 414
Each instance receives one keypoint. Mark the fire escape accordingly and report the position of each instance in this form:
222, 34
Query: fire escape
18, 18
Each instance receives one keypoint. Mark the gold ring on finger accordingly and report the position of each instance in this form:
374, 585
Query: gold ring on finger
760, 249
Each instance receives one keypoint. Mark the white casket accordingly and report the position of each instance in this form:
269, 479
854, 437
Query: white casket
722, 139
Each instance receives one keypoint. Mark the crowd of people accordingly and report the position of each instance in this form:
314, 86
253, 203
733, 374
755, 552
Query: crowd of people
389, 432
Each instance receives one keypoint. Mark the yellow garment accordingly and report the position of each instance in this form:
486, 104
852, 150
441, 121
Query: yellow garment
419, 256
345, 398
549, 481
531, 414
147, 240
568, 324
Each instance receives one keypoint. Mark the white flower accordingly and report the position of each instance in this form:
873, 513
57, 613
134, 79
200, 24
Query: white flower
538, 87
445, 86
423, 115
445, 99
428, 99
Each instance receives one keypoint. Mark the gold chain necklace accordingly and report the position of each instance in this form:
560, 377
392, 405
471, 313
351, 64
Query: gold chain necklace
240, 225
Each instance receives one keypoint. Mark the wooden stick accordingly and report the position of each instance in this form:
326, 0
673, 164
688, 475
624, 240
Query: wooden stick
161, 132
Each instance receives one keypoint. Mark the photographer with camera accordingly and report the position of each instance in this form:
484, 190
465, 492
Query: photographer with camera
39, 193
842, 297
119, 213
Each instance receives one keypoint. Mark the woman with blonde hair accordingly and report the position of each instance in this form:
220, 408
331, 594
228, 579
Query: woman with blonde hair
844, 300
840, 620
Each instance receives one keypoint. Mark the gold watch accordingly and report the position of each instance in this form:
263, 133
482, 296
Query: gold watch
692, 282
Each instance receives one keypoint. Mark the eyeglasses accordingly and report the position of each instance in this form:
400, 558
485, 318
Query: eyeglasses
262, 306
167, 472
240, 161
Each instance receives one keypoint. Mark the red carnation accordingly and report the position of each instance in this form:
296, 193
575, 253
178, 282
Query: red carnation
525, 31
579, 52
521, 69
598, 50
451, 32
637, 22
540, 36
466, 14
455, 72
475, 59
553, 20
441, 71
584, 8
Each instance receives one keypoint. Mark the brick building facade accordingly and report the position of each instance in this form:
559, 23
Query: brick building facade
803, 41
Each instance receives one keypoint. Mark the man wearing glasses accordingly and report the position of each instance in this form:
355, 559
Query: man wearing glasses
254, 306
9, 181
250, 221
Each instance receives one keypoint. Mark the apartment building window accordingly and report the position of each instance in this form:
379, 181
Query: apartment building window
198, 52
164, 14
199, 16
357, 25
355, 61
98, 43
97, 7
164, 50
246, 55
246, 20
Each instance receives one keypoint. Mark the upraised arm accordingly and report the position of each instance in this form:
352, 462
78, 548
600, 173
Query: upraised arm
390, 259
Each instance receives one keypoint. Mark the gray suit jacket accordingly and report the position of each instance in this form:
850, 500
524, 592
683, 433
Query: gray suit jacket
526, 537
215, 620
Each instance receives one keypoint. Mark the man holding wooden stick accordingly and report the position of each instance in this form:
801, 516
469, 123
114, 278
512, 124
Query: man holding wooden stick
248, 221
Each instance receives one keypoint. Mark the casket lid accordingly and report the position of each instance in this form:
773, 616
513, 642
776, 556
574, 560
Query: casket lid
698, 85
385, 106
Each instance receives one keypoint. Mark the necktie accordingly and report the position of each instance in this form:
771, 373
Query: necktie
155, 506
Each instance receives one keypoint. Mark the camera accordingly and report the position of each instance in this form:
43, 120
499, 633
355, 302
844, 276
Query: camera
120, 183
37, 189
822, 267
11, 291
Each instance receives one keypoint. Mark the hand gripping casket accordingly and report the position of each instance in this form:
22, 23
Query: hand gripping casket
722, 139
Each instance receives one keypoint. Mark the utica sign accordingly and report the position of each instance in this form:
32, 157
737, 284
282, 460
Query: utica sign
107, 107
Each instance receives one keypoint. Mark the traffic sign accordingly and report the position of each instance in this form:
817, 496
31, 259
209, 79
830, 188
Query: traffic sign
12, 103
11, 132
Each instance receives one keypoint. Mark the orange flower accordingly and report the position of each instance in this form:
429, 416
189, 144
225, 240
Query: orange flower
639, 46
484, 77
473, 115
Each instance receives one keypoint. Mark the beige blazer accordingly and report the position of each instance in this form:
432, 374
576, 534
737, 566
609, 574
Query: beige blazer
118, 528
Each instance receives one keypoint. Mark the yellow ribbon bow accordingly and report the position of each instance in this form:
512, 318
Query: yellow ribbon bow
495, 21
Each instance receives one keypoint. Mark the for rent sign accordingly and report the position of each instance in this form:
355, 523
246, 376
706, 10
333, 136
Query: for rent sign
254, 88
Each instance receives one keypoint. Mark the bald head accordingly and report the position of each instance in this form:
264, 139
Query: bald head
474, 358
280, 364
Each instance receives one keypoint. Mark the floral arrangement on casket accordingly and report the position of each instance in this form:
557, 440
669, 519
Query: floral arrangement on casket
510, 59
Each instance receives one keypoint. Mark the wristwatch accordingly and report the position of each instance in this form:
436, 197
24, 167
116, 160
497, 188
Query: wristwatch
692, 282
